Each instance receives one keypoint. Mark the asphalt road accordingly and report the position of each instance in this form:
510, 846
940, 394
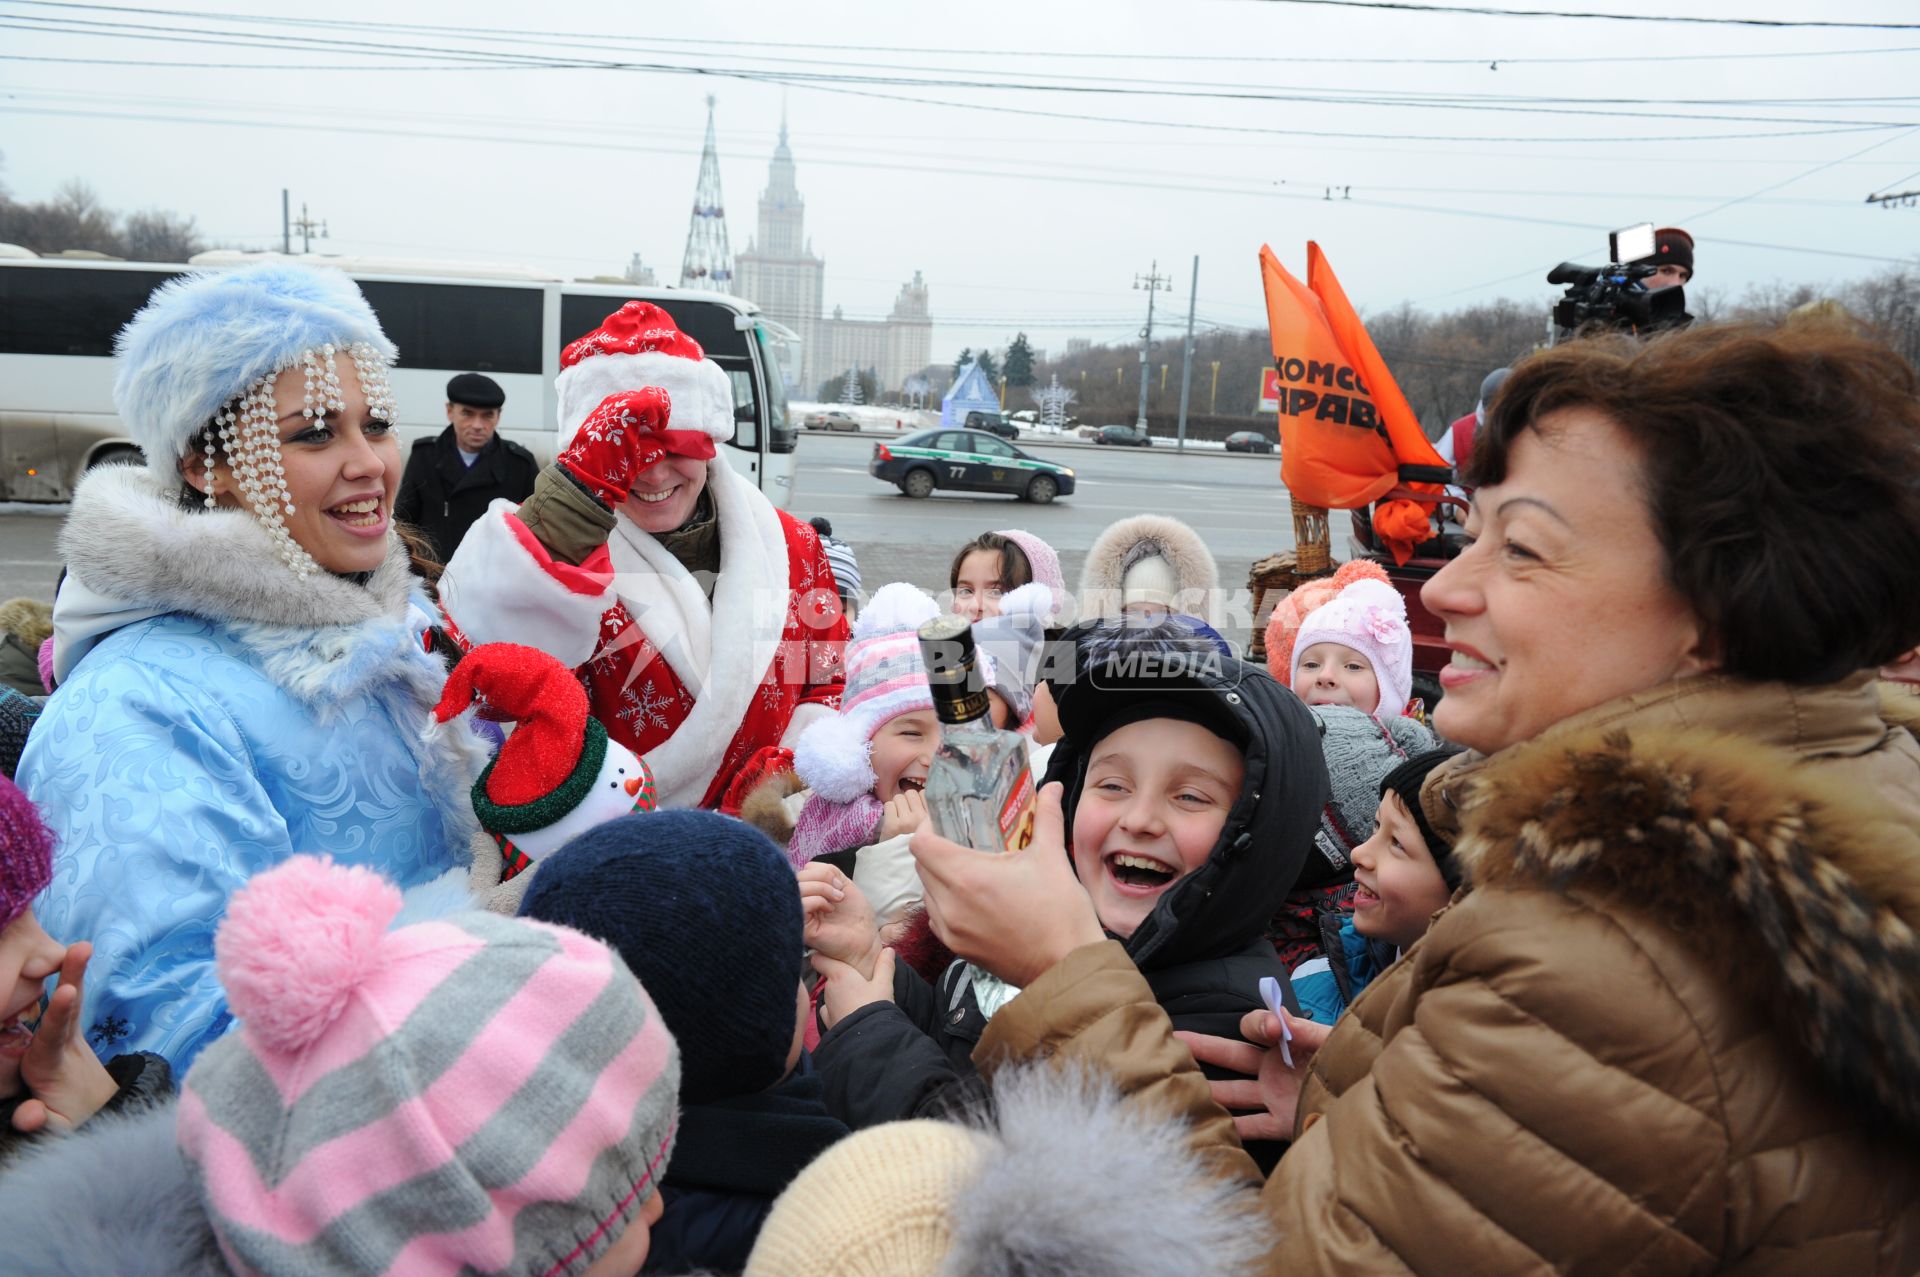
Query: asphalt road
1235, 502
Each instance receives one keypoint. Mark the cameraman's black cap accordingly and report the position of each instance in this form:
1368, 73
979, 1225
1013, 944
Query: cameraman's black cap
1673, 247
475, 391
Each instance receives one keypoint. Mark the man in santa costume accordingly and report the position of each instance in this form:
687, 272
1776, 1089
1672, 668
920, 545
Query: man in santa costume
702, 620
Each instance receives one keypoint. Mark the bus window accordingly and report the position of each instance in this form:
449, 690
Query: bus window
48, 310
470, 327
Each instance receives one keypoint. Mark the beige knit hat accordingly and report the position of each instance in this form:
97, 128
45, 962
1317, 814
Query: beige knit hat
1058, 1174
877, 1204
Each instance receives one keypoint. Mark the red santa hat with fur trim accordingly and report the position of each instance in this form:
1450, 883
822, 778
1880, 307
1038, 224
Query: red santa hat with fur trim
638, 346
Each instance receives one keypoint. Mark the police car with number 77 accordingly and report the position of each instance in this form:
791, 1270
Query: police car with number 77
962, 460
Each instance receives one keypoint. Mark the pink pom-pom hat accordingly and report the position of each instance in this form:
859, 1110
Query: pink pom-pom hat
474, 1093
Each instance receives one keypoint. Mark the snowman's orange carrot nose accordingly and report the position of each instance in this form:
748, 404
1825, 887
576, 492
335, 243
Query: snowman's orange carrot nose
632, 786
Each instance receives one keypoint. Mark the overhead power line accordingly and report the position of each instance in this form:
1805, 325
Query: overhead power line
602, 39
1414, 6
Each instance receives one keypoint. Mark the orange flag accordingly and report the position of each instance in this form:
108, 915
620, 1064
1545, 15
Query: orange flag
1345, 427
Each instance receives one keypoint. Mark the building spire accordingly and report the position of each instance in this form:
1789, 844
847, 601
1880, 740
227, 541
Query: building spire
708, 262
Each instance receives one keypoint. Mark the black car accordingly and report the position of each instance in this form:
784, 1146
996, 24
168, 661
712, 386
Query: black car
967, 461
1249, 441
994, 422
1123, 436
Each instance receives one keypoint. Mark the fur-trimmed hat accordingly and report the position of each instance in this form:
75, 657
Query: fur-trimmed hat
638, 346
1289, 612
1053, 1181
205, 337
470, 1094
1371, 618
1149, 558
885, 678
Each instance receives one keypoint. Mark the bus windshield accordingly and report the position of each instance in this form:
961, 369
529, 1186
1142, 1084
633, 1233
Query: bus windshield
780, 433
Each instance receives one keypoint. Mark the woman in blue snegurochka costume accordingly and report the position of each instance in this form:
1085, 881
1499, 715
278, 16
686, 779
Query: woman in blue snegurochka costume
239, 647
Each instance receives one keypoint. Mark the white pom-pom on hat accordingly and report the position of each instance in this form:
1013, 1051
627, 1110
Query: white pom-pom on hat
833, 756
894, 606
298, 941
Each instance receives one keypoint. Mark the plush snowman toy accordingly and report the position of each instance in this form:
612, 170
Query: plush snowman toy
558, 774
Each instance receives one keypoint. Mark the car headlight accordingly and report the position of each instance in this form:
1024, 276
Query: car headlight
1068, 473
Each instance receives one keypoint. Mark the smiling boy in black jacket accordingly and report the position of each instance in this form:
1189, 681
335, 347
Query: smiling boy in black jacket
1193, 785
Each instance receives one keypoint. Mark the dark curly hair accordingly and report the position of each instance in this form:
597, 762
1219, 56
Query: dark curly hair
1782, 480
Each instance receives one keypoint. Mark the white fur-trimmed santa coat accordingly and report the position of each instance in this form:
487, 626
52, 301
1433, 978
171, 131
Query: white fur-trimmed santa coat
697, 688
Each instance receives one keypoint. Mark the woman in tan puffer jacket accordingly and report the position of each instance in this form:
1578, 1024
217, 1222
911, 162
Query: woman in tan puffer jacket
1672, 1024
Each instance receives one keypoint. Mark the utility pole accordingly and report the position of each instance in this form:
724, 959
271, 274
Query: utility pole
286, 225
308, 228
1153, 282
1186, 360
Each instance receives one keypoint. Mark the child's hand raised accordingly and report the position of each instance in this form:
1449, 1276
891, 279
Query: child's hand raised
67, 1082
1015, 913
848, 988
838, 922
906, 811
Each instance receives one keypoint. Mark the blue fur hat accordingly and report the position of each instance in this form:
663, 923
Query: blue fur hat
204, 338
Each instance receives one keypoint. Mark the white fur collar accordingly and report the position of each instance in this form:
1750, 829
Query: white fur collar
132, 551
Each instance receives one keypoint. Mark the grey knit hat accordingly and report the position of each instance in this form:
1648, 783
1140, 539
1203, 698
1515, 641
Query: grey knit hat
1360, 751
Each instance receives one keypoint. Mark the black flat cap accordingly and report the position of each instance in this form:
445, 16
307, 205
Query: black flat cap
475, 391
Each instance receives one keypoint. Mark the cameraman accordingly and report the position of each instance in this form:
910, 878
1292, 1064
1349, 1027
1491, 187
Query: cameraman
1673, 254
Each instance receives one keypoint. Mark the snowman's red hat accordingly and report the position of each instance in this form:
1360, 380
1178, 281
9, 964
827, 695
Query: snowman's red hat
541, 788
638, 346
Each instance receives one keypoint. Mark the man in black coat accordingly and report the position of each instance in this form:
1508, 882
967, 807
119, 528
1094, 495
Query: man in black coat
452, 477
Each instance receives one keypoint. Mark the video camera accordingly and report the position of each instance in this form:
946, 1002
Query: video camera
1612, 296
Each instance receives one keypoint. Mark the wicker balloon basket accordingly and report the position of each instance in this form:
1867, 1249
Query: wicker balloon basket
1277, 575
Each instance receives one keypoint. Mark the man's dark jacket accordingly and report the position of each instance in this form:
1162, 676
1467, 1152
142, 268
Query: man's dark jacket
441, 495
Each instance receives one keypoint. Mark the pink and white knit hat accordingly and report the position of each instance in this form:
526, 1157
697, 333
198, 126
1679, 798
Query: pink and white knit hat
1045, 563
1371, 618
885, 679
470, 1094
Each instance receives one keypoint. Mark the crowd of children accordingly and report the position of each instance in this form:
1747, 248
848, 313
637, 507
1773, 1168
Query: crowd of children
754, 988
481, 1006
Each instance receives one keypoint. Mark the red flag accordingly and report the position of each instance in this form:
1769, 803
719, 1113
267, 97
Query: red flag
1345, 428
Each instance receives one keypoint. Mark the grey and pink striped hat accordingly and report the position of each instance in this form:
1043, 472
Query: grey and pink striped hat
469, 1094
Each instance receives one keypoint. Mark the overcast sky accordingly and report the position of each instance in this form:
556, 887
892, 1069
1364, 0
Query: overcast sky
1018, 218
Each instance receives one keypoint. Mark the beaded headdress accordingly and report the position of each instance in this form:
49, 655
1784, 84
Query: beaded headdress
247, 430
197, 365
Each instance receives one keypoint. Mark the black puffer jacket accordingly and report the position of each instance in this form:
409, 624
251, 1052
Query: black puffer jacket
1202, 950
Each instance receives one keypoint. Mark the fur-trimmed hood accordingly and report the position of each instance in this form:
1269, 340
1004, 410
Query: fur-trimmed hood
133, 551
114, 1199
1777, 828
1126, 542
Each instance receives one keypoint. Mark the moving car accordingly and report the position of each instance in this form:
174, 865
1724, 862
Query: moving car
831, 419
1123, 436
1249, 441
994, 422
967, 461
